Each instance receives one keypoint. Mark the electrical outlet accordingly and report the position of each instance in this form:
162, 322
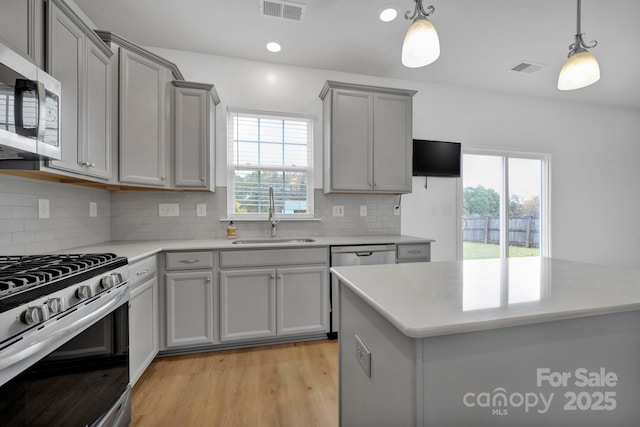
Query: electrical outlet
43, 208
201, 209
363, 354
93, 209
168, 209
338, 211
363, 210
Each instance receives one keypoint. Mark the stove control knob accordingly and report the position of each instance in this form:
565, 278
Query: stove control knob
119, 277
108, 281
84, 292
35, 315
56, 305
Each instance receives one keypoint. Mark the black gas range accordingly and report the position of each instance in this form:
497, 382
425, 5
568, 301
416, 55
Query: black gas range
64, 342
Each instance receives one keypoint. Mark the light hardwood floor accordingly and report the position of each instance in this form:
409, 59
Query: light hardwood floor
292, 384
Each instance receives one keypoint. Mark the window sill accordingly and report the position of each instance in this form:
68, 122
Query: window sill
266, 220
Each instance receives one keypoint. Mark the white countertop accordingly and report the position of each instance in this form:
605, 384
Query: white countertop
441, 298
137, 250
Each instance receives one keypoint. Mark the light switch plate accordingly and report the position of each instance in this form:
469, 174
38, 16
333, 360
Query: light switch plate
168, 209
338, 211
363, 354
43, 208
201, 209
93, 209
363, 210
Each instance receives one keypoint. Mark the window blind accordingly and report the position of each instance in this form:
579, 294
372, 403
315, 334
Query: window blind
269, 150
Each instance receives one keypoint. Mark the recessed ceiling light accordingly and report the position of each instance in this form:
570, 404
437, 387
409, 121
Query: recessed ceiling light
274, 47
388, 13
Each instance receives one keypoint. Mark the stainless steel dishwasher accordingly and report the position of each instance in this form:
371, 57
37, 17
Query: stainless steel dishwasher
355, 255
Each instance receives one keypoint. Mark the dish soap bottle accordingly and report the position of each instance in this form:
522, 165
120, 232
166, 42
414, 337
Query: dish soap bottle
231, 230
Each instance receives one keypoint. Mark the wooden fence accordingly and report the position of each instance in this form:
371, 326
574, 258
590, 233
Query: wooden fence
523, 231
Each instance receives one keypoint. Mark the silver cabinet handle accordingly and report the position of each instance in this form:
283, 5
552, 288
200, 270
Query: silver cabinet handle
202, 179
163, 178
142, 272
91, 165
414, 252
189, 261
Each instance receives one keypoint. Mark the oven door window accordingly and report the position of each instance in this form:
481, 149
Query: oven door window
76, 383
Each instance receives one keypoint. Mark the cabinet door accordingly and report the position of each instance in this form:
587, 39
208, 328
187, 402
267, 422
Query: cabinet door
247, 304
392, 143
21, 28
303, 298
191, 138
351, 141
143, 328
98, 113
143, 140
189, 308
65, 56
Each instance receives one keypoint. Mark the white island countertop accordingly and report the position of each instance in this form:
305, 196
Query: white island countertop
441, 298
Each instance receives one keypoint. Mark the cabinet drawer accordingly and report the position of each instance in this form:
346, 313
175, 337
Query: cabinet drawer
142, 270
189, 260
273, 257
414, 252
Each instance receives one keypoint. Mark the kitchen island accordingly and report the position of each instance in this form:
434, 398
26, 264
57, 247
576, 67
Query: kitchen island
524, 341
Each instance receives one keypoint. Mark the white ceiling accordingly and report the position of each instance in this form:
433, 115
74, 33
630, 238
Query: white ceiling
480, 40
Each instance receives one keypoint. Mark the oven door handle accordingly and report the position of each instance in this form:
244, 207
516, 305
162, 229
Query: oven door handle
31, 348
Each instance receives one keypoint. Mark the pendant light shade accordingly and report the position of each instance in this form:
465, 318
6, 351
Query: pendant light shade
581, 68
421, 44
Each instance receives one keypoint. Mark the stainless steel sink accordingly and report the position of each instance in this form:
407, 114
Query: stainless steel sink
267, 241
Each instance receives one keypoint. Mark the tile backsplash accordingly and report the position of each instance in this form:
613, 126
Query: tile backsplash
68, 225
133, 215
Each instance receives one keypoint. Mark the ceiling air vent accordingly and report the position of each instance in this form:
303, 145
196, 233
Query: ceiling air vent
282, 9
527, 67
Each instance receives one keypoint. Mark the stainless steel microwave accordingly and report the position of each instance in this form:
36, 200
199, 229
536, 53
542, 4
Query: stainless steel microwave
29, 110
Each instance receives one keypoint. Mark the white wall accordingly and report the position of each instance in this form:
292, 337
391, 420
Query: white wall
595, 150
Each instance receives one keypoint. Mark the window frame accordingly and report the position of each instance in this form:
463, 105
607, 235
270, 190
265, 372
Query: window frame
232, 167
545, 196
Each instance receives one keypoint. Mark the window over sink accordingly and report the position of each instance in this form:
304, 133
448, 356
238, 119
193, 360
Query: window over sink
267, 149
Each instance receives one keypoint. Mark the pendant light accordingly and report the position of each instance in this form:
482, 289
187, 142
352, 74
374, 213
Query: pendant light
421, 44
581, 68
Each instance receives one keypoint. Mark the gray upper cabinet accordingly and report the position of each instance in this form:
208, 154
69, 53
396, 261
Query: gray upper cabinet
81, 61
194, 135
367, 138
143, 120
22, 28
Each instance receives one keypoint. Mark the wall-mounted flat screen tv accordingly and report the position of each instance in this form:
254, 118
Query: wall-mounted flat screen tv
436, 158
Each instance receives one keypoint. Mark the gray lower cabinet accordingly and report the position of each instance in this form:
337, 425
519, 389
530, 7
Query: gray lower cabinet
194, 135
190, 299
367, 139
302, 297
22, 28
143, 317
273, 293
247, 304
81, 62
189, 308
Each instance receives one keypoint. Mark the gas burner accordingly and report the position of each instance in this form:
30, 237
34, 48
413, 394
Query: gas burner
22, 273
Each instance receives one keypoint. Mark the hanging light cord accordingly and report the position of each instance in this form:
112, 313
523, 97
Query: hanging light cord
419, 10
579, 45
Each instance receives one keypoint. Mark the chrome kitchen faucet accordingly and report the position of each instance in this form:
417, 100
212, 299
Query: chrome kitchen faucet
272, 209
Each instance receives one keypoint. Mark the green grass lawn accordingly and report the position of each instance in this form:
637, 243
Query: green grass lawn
473, 250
